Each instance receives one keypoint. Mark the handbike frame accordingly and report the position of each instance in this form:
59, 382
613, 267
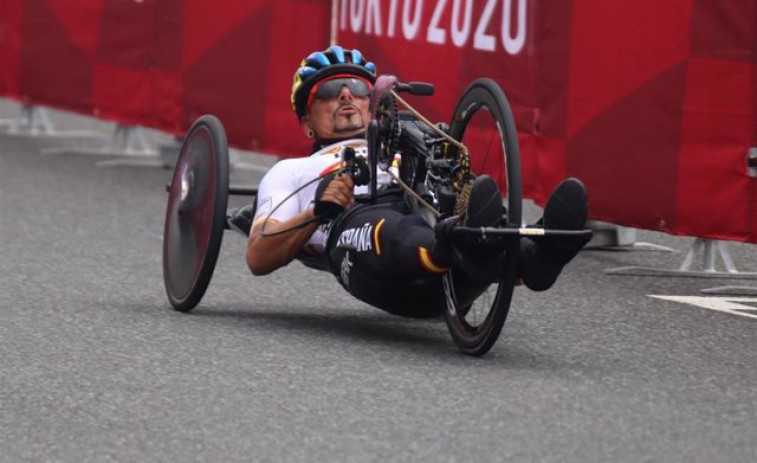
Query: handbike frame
482, 234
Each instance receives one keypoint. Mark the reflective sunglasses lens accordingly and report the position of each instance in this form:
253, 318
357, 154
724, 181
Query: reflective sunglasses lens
359, 87
331, 88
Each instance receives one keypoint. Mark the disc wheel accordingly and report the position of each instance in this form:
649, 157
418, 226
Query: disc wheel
196, 213
484, 123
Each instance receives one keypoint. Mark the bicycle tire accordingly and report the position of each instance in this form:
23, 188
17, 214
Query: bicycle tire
485, 94
195, 213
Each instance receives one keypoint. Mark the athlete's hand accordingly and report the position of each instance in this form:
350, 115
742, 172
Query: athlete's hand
333, 195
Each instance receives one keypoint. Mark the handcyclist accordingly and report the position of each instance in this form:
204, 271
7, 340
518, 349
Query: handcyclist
382, 253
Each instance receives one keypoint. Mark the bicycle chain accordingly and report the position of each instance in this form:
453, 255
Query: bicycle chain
387, 116
463, 179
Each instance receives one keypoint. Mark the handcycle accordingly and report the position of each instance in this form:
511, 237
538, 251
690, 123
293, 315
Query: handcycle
438, 164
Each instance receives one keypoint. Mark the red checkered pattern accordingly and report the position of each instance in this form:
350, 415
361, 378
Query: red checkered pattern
162, 63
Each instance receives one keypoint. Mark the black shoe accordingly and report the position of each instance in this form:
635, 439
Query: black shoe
567, 206
566, 209
484, 204
241, 219
484, 209
537, 268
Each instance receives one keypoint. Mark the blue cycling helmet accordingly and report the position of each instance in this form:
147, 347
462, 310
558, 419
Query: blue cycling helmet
322, 64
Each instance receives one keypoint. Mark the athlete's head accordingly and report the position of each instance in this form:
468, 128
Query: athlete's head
330, 93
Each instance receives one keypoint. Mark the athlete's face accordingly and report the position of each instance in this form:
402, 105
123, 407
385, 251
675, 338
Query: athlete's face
342, 116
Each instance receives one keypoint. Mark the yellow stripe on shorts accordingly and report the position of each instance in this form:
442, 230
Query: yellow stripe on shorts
428, 264
376, 230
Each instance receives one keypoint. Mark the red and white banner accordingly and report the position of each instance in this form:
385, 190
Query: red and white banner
653, 104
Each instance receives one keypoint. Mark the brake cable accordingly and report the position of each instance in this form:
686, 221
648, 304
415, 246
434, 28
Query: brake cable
430, 124
300, 225
464, 153
348, 166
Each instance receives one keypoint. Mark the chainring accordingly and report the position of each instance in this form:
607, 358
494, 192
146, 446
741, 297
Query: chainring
462, 178
387, 116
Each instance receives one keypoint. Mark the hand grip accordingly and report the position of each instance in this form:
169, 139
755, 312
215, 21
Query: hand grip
325, 211
416, 88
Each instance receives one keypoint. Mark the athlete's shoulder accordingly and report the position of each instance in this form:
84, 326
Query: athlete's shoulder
282, 167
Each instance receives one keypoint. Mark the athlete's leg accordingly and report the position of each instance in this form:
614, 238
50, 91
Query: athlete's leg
391, 258
384, 255
540, 263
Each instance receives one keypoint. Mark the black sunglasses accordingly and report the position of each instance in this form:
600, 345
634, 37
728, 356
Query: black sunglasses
329, 89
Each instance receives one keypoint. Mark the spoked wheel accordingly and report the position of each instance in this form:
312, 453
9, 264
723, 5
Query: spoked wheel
196, 213
484, 123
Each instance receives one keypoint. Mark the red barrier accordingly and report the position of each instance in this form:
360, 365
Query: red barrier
651, 103
163, 63
10, 45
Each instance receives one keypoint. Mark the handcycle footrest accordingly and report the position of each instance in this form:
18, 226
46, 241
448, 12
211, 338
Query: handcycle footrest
498, 234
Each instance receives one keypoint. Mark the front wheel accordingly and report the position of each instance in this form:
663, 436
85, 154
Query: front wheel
196, 213
484, 123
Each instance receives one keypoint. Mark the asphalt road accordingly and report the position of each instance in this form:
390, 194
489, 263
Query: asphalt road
96, 366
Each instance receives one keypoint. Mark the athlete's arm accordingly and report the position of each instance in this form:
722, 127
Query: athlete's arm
267, 253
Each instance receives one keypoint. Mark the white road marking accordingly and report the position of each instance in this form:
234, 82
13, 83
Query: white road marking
721, 304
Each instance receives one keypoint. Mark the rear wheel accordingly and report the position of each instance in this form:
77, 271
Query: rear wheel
196, 213
484, 123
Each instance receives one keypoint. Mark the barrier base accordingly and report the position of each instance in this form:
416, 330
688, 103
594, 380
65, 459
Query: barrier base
611, 237
35, 122
169, 153
249, 167
710, 249
126, 140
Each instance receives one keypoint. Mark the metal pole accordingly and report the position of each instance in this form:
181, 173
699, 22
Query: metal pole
334, 21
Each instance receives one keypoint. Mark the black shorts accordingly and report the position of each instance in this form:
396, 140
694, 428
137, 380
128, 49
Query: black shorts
382, 254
